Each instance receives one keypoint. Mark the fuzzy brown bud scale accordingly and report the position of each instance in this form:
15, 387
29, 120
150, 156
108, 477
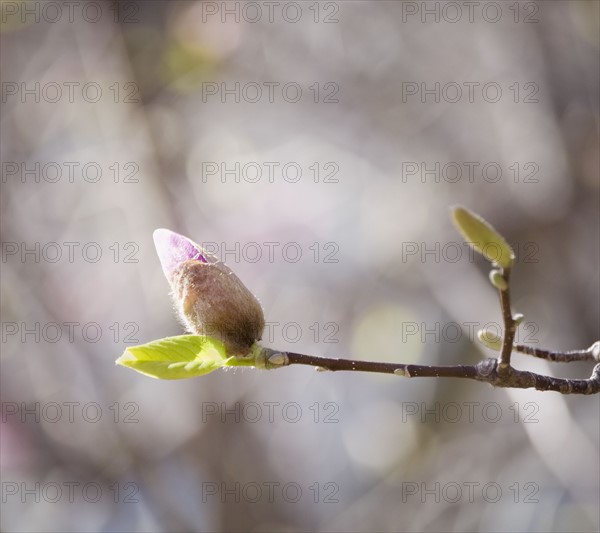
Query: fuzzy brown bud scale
210, 299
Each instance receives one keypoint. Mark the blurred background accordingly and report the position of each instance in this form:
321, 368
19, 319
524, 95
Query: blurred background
316, 148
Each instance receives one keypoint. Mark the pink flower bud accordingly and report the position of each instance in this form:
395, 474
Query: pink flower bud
210, 299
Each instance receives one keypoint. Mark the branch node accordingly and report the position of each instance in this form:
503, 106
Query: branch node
486, 367
268, 359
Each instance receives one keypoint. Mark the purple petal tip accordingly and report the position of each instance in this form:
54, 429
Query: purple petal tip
173, 249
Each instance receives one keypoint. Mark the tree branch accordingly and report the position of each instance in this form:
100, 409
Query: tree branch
486, 371
590, 354
497, 372
510, 326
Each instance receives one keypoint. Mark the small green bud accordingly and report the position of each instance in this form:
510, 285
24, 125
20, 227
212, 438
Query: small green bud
209, 297
490, 339
483, 238
518, 318
595, 349
498, 280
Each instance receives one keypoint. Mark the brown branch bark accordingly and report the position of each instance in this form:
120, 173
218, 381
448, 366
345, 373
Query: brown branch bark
485, 371
510, 326
590, 354
497, 372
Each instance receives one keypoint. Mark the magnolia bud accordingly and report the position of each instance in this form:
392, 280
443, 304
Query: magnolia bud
210, 299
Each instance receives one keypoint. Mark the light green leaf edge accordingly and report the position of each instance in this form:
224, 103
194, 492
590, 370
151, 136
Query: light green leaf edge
482, 237
180, 357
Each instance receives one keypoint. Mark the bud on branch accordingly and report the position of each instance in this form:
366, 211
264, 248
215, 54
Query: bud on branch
226, 322
208, 296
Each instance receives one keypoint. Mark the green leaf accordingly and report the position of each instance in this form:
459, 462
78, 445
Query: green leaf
483, 238
185, 356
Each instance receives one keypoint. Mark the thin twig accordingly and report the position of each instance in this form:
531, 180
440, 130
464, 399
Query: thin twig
486, 371
497, 372
510, 326
590, 354
329, 363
